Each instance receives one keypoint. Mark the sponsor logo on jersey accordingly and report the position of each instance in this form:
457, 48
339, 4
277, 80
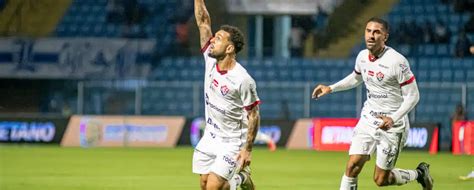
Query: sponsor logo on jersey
404, 68
231, 81
208, 103
228, 159
377, 123
215, 83
211, 123
390, 152
376, 96
371, 73
224, 90
376, 113
383, 66
380, 76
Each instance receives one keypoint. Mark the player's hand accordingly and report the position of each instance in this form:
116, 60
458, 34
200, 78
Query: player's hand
387, 122
320, 91
244, 158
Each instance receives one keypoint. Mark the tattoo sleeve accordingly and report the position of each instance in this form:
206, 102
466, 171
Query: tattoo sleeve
203, 21
254, 124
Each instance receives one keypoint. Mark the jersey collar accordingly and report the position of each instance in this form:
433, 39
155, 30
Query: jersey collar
222, 72
373, 58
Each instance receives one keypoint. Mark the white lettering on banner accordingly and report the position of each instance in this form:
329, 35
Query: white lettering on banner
461, 134
155, 134
3, 134
336, 135
30, 132
417, 138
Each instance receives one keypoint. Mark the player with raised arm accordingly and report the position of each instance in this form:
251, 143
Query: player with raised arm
223, 155
383, 126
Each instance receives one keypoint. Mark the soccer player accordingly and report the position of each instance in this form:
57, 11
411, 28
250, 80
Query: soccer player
223, 155
469, 176
383, 126
261, 137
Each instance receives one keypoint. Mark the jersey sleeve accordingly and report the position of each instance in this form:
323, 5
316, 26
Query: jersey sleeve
209, 61
248, 93
403, 73
356, 65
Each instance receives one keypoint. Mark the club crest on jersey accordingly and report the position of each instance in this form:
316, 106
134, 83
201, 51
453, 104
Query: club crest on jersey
380, 76
224, 90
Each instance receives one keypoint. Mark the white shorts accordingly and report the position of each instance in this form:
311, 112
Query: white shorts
217, 155
366, 139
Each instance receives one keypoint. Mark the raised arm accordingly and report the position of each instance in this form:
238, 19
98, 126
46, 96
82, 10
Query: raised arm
203, 21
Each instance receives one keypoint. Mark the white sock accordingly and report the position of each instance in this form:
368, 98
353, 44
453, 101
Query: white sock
404, 176
262, 137
235, 181
348, 183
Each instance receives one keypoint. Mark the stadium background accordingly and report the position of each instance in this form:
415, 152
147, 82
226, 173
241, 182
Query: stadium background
60, 58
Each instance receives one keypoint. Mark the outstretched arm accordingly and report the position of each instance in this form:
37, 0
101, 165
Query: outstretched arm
203, 21
244, 158
351, 81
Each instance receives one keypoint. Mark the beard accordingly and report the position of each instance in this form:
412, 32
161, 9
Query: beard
215, 56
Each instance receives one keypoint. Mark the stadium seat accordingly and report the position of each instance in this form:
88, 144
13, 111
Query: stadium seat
459, 75
446, 76
470, 76
442, 50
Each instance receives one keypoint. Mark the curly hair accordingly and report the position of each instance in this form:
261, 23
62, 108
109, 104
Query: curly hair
236, 36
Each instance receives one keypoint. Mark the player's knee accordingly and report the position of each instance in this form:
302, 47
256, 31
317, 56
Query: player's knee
203, 183
212, 186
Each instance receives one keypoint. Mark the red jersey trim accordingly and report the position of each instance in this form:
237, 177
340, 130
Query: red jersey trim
203, 49
408, 81
372, 58
219, 70
251, 106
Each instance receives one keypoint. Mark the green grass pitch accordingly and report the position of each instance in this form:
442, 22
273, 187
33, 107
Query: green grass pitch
55, 168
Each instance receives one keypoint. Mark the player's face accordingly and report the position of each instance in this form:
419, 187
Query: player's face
220, 45
375, 36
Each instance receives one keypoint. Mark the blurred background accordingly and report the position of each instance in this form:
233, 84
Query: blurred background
141, 57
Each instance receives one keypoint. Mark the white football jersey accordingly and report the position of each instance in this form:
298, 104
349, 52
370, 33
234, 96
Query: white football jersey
383, 77
228, 95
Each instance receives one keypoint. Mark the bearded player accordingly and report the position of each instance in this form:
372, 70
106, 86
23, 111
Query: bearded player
223, 155
383, 126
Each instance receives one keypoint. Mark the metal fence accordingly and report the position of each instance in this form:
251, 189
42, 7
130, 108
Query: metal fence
279, 98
